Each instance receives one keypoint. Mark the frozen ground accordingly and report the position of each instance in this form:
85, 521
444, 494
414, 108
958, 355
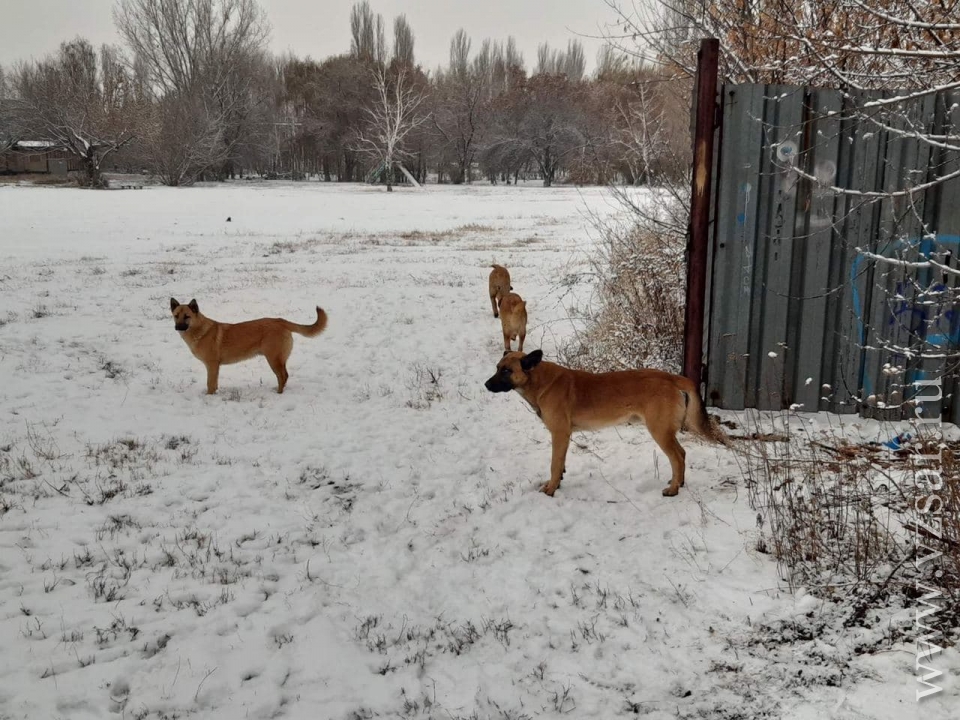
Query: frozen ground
371, 543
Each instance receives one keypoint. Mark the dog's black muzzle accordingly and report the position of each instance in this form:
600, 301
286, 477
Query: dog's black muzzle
497, 384
182, 327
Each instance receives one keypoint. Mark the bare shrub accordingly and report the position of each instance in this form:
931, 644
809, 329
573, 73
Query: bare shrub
639, 304
425, 387
842, 519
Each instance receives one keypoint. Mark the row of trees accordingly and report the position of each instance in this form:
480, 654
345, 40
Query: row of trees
195, 94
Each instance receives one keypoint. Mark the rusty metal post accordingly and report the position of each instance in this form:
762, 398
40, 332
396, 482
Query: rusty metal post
707, 70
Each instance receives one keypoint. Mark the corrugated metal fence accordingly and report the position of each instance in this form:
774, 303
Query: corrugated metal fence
797, 312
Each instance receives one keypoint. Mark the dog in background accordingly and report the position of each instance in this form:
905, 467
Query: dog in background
216, 343
513, 320
567, 400
499, 287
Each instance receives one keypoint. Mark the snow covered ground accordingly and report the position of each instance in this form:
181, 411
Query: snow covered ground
371, 543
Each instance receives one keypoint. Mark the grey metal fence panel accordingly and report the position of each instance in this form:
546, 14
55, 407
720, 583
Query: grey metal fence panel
733, 246
798, 313
812, 252
948, 232
775, 244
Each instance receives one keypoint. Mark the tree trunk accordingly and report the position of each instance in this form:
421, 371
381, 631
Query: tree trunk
548, 168
90, 172
461, 176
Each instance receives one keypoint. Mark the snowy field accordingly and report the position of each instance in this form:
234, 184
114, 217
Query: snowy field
370, 544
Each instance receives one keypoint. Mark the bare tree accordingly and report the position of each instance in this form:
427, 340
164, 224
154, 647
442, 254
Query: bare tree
183, 42
460, 113
506, 63
9, 130
460, 53
395, 113
571, 63
574, 62
402, 42
548, 61
79, 101
541, 120
367, 36
202, 58
362, 25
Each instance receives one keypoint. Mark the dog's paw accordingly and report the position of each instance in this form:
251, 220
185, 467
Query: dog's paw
670, 491
547, 490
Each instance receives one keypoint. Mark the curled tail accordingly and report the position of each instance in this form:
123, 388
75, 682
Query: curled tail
695, 418
310, 330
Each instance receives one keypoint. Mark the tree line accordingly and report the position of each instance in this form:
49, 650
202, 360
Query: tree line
194, 94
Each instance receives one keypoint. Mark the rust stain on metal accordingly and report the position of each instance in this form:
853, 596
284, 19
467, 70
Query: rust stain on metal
701, 179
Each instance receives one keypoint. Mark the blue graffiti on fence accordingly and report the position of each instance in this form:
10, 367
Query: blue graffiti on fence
926, 247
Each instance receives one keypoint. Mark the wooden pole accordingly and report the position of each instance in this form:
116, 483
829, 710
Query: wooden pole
705, 120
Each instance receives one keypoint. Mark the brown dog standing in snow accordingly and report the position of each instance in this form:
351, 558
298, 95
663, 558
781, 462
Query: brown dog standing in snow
568, 400
513, 319
216, 343
499, 287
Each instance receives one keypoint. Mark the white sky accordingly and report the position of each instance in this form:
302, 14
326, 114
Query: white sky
33, 28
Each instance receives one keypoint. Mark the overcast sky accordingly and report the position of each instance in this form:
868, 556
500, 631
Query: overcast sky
33, 28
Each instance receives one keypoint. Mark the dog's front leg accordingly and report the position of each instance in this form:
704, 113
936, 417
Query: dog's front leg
213, 375
561, 441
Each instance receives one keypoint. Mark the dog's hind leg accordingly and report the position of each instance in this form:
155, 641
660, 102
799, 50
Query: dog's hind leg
561, 441
496, 310
522, 336
279, 368
667, 440
278, 363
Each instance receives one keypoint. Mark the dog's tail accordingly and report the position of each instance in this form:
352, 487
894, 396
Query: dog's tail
695, 418
310, 330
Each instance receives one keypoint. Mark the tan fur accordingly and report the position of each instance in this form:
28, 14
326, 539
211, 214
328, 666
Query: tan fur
499, 287
568, 400
513, 319
216, 343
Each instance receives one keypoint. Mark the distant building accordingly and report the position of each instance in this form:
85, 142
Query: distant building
37, 156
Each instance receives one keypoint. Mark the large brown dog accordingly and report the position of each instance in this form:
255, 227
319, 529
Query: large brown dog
513, 319
499, 287
568, 400
216, 343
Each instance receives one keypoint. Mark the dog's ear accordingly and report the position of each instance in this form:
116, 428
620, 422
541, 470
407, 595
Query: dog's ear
528, 362
193, 306
174, 304
505, 353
